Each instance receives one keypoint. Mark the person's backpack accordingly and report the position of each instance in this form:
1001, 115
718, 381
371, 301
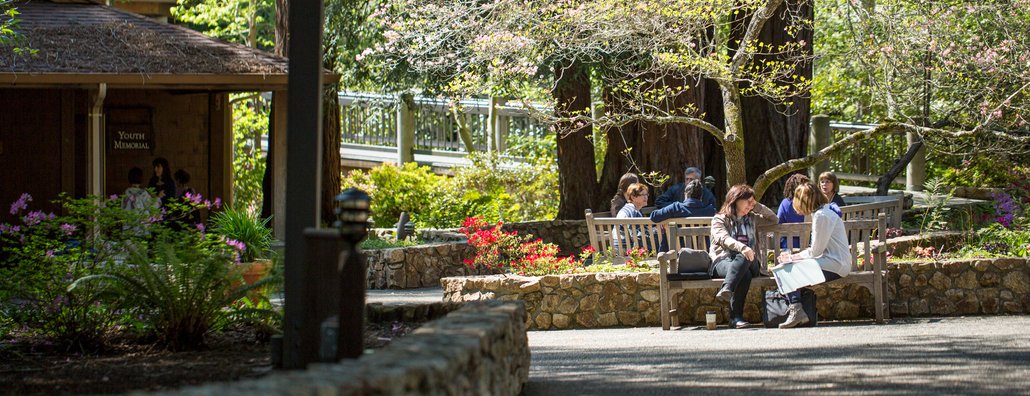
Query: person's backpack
137, 200
774, 310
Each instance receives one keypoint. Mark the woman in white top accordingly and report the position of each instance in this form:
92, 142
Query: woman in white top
829, 248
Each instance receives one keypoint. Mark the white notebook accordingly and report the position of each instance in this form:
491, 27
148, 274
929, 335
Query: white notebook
798, 274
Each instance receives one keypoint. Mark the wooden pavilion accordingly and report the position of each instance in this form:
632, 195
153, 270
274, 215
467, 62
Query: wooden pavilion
109, 90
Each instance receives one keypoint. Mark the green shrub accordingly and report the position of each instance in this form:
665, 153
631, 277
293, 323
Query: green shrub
250, 120
996, 240
377, 243
495, 188
44, 252
395, 189
245, 227
180, 285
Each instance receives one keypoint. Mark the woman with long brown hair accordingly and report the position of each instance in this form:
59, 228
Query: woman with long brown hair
829, 250
735, 245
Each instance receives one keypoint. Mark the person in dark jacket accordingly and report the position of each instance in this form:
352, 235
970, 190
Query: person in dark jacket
161, 182
693, 206
830, 187
675, 192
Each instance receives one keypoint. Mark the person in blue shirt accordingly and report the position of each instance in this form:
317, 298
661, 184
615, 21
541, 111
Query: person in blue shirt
675, 192
786, 212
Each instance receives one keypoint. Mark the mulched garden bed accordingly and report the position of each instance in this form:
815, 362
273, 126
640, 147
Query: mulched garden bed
31, 366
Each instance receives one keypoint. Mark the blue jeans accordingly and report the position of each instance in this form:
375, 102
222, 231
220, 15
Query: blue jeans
794, 297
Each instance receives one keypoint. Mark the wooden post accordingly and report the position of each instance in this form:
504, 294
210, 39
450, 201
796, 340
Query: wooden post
405, 128
322, 294
277, 160
820, 138
915, 174
493, 129
304, 174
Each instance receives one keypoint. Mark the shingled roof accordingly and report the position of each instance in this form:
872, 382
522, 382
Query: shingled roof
92, 43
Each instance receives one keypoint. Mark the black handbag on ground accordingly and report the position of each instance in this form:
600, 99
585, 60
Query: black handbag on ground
774, 310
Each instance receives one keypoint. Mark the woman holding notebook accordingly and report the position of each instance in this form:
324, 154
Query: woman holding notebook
828, 258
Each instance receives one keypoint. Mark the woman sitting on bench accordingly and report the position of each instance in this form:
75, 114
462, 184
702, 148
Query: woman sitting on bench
734, 247
829, 253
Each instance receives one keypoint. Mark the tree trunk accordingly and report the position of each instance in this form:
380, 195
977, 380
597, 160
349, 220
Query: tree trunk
577, 176
663, 148
331, 172
775, 134
282, 31
733, 142
715, 160
883, 184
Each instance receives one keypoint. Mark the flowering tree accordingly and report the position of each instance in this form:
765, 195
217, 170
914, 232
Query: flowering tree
954, 73
652, 58
651, 54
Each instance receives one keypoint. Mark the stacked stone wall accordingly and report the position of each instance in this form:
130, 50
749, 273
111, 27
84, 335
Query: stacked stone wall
958, 287
479, 349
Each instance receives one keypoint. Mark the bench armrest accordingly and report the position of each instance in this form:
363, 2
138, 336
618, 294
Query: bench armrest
665, 262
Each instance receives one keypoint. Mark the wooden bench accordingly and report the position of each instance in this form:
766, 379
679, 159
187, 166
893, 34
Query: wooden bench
625, 234
893, 206
868, 265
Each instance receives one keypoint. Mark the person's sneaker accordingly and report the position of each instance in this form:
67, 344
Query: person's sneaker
724, 294
796, 316
739, 324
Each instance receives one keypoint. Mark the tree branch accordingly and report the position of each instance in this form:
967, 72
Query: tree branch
758, 20
775, 173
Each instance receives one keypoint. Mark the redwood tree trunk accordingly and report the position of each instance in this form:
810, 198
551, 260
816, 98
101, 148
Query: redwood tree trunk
282, 31
663, 148
331, 172
577, 176
771, 136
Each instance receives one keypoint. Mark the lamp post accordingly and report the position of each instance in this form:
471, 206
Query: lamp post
352, 212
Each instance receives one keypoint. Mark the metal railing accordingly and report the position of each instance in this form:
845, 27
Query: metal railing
868, 162
371, 119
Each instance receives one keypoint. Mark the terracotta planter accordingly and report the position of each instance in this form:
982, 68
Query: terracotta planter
256, 270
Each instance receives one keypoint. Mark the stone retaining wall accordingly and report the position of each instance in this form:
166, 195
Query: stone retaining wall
480, 349
419, 266
424, 265
571, 236
632, 299
960, 287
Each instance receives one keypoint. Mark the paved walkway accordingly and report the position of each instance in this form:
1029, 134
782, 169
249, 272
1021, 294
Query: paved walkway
406, 296
979, 355
918, 197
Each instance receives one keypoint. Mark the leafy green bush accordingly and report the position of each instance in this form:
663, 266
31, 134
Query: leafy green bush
510, 191
996, 240
250, 120
395, 189
44, 252
179, 285
980, 172
245, 227
377, 243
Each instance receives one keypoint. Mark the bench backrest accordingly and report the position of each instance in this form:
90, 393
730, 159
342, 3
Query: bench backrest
893, 208
622, 235
861, 236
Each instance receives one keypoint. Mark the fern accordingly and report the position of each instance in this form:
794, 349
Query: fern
181, 286
935, 218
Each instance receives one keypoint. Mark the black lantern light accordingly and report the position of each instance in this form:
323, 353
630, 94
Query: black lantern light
352, 213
